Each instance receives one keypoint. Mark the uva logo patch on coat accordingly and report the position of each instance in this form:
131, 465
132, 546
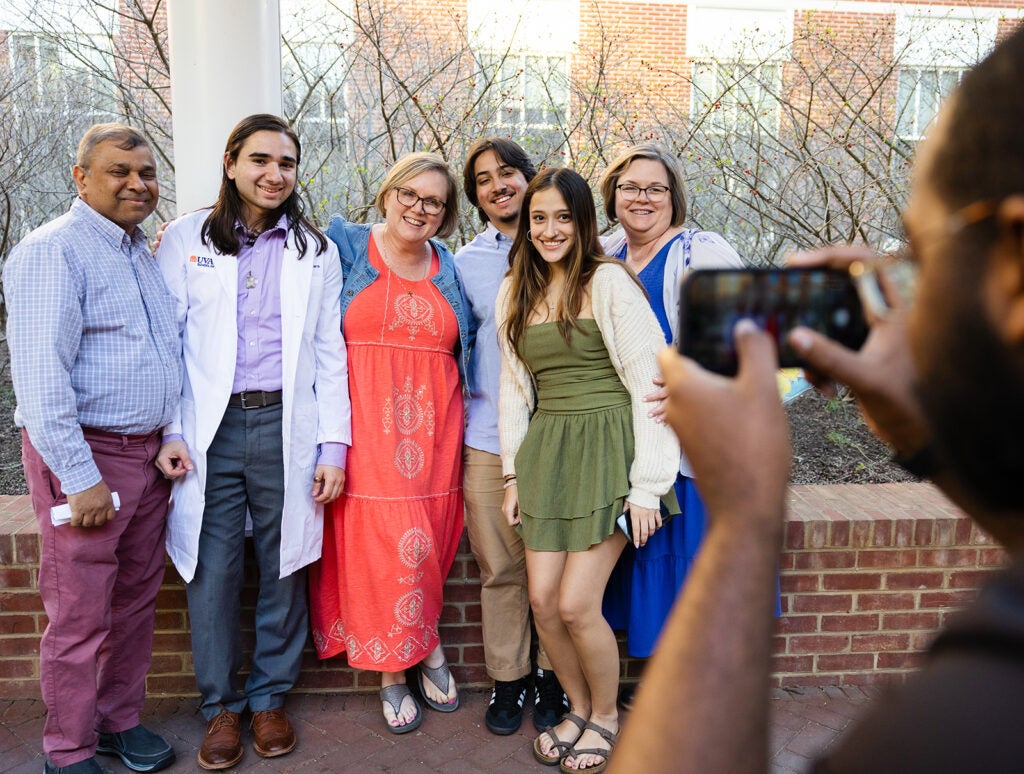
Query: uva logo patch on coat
201, 261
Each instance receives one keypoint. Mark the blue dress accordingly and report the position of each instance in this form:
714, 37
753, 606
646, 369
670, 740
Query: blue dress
645, 582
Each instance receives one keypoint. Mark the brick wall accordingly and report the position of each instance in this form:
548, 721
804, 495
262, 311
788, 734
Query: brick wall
868, 574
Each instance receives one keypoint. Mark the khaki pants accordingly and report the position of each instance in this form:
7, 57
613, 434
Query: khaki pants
499, 552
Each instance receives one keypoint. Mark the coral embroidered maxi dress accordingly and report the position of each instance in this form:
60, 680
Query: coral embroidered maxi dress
391, 538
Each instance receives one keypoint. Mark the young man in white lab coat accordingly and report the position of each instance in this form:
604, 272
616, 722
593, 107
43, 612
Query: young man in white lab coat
264, 427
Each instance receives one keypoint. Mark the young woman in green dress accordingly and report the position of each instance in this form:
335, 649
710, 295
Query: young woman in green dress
578, 446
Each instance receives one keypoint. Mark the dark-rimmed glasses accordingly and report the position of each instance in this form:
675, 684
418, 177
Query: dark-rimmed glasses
409, 198
655, 193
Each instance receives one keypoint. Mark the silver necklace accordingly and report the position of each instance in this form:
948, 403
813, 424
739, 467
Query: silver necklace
387, 262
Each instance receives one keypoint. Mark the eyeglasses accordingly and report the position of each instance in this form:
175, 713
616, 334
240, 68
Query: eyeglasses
971, 215
655, 193
409, 198
902, 267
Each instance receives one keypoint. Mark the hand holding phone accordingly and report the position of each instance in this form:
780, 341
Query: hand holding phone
625, 522
777, 300
881, 374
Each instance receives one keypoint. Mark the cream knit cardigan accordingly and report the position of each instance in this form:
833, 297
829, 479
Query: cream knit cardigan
633, 338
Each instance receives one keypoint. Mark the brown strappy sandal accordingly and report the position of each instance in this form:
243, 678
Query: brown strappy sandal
562, 748
605, 734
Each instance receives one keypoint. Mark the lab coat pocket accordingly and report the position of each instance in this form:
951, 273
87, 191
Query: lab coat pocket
304, 433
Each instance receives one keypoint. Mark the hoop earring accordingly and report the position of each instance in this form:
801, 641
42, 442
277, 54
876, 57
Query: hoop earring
529, 237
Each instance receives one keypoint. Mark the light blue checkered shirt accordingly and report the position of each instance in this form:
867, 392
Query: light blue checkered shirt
93, 337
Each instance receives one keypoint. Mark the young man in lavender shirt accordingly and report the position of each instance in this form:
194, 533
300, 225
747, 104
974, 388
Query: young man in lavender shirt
263, 428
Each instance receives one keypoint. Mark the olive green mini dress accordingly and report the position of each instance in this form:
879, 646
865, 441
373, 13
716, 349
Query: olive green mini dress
573, 464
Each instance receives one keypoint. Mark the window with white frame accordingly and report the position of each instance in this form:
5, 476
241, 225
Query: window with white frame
735, 96
523, 51
313, 75
737, 56
34, 59
528, 90
314, 68
921, 90
75, 75
932, 51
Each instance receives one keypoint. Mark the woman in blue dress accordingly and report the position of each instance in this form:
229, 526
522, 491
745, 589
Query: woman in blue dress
643, 191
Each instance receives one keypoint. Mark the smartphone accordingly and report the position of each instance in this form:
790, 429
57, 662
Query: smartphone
777, 300
625, 521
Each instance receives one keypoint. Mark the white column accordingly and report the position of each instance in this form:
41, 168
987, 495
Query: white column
225, 65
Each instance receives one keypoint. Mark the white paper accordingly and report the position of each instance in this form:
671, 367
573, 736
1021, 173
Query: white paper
61, 514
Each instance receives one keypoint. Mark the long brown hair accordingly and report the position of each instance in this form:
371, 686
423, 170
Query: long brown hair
531, 274
219, 227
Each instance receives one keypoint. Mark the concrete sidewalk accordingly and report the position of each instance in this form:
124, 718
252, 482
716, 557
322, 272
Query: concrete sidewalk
345, 733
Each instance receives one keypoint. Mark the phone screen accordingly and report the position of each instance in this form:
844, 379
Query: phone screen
777, 300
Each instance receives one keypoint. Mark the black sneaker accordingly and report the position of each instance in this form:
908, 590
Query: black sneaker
626, 696
505, 711
88, 766
138, 748
549, 702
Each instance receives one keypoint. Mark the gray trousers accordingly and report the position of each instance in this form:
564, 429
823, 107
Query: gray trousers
245, 470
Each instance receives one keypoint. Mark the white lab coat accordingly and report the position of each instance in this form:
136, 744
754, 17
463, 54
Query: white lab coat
315, 397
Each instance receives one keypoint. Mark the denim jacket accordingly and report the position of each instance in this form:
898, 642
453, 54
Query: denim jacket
353, 240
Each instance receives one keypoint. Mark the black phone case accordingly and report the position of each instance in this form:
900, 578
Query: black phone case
777, 300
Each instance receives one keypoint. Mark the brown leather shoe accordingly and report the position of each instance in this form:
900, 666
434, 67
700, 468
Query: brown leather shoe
222, 745
274, 734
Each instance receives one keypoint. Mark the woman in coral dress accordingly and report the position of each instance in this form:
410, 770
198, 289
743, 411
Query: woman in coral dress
391, 538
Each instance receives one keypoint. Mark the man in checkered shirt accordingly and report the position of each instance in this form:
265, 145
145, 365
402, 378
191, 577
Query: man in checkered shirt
95, 357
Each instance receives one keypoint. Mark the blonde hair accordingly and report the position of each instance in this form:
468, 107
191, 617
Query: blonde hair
408, 167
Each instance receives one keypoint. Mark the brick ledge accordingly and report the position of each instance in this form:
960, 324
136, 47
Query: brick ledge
868, 574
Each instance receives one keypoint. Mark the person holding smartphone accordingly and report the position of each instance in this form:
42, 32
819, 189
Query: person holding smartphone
643, 191
578, 445
940, 379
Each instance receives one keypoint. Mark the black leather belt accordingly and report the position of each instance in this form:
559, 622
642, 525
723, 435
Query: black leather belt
255, 399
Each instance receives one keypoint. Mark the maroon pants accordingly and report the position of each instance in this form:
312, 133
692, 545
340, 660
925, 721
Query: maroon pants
99, 588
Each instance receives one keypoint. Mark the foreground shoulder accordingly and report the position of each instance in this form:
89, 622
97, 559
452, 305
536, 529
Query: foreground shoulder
351, 239
444, 252
471, 248
339, 229
47, 247
501, 302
